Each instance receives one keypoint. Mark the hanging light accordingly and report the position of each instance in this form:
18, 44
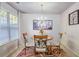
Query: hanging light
42, 8
42, 11
42, 17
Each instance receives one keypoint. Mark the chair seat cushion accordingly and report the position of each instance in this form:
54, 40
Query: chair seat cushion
41, 49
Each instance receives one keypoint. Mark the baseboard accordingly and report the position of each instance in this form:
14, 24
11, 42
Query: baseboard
70, 50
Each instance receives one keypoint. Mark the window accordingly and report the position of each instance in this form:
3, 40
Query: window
13, 27
8, 27
4, 35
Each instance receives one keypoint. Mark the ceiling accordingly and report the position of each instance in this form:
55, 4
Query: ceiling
35, 7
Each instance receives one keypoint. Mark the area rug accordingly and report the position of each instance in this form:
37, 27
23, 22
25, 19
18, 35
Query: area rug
30, 53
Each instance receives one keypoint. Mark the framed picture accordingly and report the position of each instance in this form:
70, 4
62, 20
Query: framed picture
42, 24
74, 18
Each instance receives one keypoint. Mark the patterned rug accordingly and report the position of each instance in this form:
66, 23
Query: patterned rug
30, 53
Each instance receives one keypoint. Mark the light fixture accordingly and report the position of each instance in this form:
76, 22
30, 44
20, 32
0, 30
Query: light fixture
42, 12
41, 17
42, 8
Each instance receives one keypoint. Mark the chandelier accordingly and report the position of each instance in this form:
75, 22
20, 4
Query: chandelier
42, 17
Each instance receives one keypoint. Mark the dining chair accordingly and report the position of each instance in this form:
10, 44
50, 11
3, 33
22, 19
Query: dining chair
40, 43
25, 40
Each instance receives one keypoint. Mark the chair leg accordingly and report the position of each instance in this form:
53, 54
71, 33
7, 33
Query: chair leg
25, 48
25, 51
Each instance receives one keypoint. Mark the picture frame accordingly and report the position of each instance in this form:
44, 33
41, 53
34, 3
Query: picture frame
74, 18
42, 24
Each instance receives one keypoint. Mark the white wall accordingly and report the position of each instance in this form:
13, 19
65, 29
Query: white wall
71, 38
27, 26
